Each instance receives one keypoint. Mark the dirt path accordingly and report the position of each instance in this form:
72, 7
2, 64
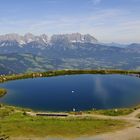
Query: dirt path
131, 133
131, 117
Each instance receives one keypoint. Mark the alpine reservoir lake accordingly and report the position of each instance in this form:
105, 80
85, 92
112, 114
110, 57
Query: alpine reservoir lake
79, 92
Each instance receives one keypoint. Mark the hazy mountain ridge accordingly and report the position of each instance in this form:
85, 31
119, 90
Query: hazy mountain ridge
28, 38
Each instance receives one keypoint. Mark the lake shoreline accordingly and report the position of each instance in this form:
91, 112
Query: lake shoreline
4, 78
2, 92
106, 112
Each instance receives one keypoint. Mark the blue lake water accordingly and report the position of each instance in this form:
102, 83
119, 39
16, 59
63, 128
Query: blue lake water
82, 92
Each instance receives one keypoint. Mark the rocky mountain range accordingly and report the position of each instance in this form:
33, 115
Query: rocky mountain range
44, 39
64, 51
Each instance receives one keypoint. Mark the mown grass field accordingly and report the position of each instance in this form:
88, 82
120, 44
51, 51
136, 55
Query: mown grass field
16, 123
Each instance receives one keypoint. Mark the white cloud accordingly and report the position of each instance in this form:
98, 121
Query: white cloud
110, 25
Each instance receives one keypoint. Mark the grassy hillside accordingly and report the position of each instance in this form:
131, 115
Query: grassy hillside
22, 63
15, 63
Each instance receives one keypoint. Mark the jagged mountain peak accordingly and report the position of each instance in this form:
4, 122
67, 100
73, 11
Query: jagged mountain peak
24, 39
74, 37
12, 36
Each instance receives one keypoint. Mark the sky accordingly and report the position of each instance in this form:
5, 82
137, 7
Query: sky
107, 20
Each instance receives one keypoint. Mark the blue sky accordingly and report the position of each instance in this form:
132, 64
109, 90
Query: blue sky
107, 20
